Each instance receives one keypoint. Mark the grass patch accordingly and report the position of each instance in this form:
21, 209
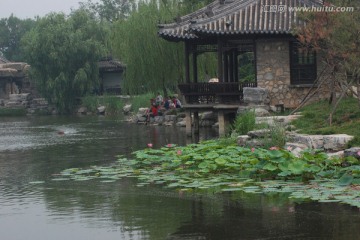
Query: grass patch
141, 101
244, 123
12, 112
113, 104
315, 119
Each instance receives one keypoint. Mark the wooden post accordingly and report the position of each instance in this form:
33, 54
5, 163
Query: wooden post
188, 121
220, 62
194, 62
226, 67
187, 62
196, 122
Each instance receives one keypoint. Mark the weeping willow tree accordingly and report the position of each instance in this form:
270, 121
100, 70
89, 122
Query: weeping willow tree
154, 64
63, 53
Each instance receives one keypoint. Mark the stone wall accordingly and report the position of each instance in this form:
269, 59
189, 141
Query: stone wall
273, 73
13, 79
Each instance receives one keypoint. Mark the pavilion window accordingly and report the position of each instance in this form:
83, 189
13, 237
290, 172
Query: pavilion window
302, 64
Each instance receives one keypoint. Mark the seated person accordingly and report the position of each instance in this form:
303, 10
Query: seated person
159, 100
166, 103
177, 102
153, 112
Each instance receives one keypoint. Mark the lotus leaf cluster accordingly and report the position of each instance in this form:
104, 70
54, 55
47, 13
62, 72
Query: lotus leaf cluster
224, 167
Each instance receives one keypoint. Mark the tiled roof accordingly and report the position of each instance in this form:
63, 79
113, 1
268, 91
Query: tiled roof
238, 17
110, 64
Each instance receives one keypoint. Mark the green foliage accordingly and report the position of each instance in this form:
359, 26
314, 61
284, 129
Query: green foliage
109, 10
141, 101
244, 123
12, 29
346, 119
152, 63
91, 102
12, 112
247, 69
276, 136
222, 166
113, 104
63, 54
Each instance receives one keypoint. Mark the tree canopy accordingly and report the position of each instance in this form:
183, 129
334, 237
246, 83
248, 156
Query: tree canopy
63, 53
12, 29
153, 63
336, 37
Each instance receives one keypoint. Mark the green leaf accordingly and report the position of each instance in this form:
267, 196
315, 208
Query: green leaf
270, 167
203, 165
345, 180
220, 161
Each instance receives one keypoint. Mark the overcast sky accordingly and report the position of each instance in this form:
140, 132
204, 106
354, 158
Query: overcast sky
31, 8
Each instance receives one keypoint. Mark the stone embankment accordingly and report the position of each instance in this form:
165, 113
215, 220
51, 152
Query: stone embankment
335, 145
169, 117
25, 101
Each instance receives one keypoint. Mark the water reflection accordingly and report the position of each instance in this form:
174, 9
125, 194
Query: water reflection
32, 150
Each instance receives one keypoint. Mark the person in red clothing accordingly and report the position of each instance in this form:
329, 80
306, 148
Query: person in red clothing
153, 111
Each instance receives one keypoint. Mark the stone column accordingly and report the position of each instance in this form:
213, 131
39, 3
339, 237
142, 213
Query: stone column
196, 122
188, 123
222, 123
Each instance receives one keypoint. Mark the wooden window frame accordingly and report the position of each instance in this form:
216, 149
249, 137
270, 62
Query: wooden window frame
303, 69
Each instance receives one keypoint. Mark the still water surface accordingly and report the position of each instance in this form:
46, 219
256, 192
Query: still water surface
31, 149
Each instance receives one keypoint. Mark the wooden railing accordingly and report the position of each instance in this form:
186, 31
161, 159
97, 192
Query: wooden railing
206, 93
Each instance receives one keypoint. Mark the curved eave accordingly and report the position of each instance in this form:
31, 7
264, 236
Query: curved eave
241, 32
177, 38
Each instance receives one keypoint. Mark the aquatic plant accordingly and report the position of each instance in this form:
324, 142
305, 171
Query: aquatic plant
223, 168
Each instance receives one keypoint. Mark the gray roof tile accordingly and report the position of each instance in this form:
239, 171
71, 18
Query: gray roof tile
238, 17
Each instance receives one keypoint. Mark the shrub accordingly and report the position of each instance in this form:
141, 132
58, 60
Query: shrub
276, 137
91, 102
140, 101
244, 123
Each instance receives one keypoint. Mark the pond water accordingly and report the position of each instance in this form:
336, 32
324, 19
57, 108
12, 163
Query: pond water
34, 149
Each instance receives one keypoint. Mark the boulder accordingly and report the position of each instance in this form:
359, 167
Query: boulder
181, 124
159, 119
261, 112
242, 140
255, 96
336, 142
353, 152
170, 118
295, 148
339, 154
101, 110
127, 108
82, 110
140, 118
181, 115
19, 97
311, 141
208, 116
259, 133
143, 111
